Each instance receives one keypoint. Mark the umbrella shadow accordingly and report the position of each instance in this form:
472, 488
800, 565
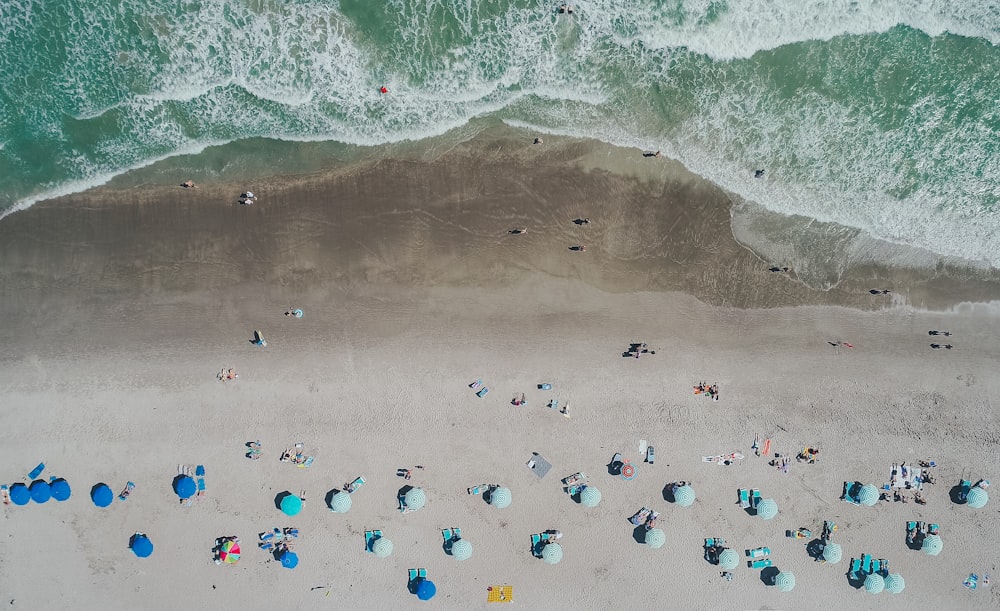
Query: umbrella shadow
815, 549
668, 493
614, 467
767, 575
956, 494
280, 497
329, 498
855, 582
639, 534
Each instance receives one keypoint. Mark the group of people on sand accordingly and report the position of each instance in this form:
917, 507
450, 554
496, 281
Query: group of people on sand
577, 221
227, 374
711, 391
247, 198
808, 455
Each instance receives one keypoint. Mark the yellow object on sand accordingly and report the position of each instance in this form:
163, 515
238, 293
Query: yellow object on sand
499, 594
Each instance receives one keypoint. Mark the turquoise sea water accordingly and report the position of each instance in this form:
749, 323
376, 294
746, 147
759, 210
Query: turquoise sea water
879, 115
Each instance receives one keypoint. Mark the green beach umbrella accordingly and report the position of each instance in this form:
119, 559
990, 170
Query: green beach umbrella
590, 497
684, 496
785, 581
894, 583
932, 545
552, 553
868, 495
729, 559
977, 498
461, 550
382, 548
832, 553
415, 499
341, 502
767, 509
874, 583
655, 538
501, 498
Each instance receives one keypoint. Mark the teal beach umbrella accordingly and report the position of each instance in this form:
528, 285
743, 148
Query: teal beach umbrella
684, 496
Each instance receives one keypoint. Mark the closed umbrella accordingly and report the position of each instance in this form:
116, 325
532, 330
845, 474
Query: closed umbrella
341, 502
868, 495
501, 498
19, 494
185, 487
60, 490
977, 498
289, 559
729, 559
102, 495
461, 550
894, 583
141, 545
684, 496
832, 553
291, 505
590, 497
382, 548
552, 553
874, 583
785, 581
426, 590
932, 545
767, 509
655, 538
40, 490
415, 499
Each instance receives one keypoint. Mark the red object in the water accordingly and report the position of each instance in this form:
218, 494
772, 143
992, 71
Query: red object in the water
384, 90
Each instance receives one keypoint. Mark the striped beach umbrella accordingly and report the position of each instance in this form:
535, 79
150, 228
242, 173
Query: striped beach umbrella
894, 583
655, 538
767, 509
382, 548
832, 553
590, 497
729, 559
874, 583
415, 499
868, 495
932, 545
461, 550
684, 496
552, 553
977, 498
501, 498
341, 502
785, 581
230, 552
628, 471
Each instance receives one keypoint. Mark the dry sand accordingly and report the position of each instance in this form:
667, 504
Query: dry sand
122, 305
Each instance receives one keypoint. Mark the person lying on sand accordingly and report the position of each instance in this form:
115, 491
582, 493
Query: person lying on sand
189, 184
518, 231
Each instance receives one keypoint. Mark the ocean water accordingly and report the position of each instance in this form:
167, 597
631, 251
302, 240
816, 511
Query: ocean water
879, 115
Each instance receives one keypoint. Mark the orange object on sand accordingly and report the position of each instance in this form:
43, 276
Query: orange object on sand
384, 90
767, 448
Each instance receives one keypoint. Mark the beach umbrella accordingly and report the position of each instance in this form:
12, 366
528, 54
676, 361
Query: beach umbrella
628, 471
868, 495
60, 490
41, 491
382, 548
874, 583
932, 545
185, 487
785, 581
19, 494
500, 498
767, 509
832, 553
655, 538
977, 498
894, 583
141, 546
102, 495
341, 502
684, 496
415, 499
552, 553
289, 560
590, 497
230, 552
291, 505
461, 550
729, 559
426, 590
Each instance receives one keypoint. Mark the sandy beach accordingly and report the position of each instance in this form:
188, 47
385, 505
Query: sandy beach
123, 304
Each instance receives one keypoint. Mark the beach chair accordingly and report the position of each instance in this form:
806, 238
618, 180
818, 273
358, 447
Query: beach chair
536, 545
932, 529
866, 564
744, 498
451, 535
640, 516
754, 498
759, 552
201, 488
855, 572
475, 385
499, 594
715, 542
353, 486
416, 574
482, 392
370, 537
760, 564
478, 489
911, 531
876, 566
885, 567
292, 532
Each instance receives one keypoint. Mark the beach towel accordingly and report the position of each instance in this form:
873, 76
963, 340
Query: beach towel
35, 472
499, 594
764, 451
538, 465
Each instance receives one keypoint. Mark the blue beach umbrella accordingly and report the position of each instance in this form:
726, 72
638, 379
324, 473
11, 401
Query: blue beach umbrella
19, 494
289, 560
426, 590
60, 490
185, 487
102, 495
141, 546
291, 505
41, 492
